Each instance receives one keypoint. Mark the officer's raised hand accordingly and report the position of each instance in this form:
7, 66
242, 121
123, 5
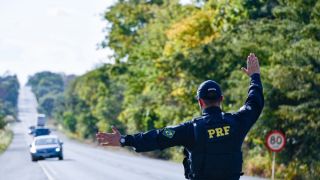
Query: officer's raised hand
109, 139
252, 65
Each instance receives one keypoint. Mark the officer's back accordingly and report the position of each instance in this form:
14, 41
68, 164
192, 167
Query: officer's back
216, 153
213, 141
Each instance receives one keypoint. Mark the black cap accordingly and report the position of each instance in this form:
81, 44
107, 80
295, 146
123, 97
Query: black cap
209, 90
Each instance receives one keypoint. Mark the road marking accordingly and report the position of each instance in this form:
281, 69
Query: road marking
46, 172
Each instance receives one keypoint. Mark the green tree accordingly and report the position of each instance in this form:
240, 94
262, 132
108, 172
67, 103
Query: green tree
2, 115
47, 104
93, 101
47, 87
9, 91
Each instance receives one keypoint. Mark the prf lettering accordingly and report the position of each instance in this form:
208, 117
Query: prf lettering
218, 132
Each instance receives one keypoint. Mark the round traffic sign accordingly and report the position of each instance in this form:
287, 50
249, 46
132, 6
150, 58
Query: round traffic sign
275, 140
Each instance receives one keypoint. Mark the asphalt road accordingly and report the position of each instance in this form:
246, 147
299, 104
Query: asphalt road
81, 161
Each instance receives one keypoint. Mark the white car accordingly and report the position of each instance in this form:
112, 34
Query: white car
46, 146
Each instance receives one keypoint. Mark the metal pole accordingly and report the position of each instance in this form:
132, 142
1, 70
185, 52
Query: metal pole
273, 164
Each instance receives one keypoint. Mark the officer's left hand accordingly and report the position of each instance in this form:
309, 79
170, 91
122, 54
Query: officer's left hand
109, 139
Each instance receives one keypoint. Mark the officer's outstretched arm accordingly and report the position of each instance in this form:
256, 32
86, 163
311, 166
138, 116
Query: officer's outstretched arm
252, 109
151, 140
159, 139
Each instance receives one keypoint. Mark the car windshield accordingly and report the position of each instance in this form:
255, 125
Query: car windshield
42, 131
46, 141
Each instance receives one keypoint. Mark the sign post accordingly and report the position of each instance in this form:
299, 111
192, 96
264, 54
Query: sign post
275, 142
273, 164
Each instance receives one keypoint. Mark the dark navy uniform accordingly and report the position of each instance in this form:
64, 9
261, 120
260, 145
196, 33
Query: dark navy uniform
212, 141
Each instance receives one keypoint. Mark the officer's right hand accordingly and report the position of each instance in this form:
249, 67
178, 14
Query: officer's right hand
252, 65
109, 139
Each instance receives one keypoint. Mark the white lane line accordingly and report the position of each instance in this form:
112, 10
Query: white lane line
50, 168
46, 171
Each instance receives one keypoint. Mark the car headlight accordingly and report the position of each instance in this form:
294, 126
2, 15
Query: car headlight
57, 149
33, 149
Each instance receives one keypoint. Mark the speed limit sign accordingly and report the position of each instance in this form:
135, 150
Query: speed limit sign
275, 140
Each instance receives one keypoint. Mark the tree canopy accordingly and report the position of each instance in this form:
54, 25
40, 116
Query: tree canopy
48, 87
9, 91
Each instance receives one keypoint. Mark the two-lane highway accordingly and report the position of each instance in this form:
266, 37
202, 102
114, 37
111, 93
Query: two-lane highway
15, 163
81, 161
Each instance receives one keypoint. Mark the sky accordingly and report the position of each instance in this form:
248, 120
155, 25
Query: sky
56, 35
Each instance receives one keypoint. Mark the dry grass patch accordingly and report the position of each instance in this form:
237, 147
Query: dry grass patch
5, 139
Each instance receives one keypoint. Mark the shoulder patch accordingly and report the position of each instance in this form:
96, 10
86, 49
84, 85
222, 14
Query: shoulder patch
245, 107
169, 133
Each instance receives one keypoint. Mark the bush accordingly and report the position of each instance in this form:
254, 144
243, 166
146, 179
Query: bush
298, 171
258, 165
69, 122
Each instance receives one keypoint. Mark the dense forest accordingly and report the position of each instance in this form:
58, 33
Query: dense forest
9, 91
48, 87
163, 50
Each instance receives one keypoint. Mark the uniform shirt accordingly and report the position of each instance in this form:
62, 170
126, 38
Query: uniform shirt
183, 134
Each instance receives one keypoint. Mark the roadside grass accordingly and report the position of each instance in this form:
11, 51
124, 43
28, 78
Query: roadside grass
5, 139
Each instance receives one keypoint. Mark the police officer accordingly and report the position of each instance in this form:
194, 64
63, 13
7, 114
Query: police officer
212, 141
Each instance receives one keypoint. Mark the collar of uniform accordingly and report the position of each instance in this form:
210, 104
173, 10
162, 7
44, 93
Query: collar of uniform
212, 111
